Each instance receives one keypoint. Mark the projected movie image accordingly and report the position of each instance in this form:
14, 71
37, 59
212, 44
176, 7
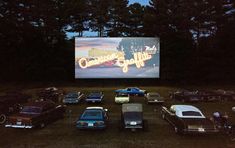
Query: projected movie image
117, 57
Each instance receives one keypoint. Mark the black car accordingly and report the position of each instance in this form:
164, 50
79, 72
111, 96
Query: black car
50, 93
132, 117
186, 96
187, 119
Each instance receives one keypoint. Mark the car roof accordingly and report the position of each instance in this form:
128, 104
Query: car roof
132, 87
95, 107
132, 107
182, 108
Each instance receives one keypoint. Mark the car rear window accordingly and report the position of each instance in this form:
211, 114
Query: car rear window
31, 110
191, 113
92, 114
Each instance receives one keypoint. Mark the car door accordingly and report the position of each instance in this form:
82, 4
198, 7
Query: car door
49, 112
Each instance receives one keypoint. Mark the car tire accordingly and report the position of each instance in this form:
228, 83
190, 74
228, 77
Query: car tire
3, 118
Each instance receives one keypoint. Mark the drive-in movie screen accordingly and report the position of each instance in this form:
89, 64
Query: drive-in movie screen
117, 57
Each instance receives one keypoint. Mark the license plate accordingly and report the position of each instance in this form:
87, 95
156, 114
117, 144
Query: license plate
133, 123
90, 124
18, 123
201, 129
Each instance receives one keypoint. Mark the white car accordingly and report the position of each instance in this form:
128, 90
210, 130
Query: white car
122, 98
154, 97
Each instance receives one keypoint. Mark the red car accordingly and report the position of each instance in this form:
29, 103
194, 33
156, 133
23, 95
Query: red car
36, 114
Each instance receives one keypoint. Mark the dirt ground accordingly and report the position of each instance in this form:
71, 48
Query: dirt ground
63, 133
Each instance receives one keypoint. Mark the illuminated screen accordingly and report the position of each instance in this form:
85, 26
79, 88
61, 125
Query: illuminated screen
120, 57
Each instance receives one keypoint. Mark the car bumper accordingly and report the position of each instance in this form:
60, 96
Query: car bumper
91, 127
155, 101
121, 101
93, 101
18, 126
196, 131
133, 126
70, 101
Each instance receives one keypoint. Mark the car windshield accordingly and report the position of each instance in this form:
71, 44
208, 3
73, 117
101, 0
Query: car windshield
122, 95
191, 113
92, 115
31, 110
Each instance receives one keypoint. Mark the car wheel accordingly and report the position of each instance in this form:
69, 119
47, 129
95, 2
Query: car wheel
3, 118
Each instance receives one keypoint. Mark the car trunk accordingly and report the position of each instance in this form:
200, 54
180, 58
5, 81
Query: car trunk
198, 123
21, 119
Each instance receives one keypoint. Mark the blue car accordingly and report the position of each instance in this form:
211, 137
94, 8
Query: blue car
132, 91
95, 97
73, 98
93, 118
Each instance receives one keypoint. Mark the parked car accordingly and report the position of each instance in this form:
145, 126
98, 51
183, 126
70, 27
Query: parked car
11, 103
188, 119
50, 93
73, 97
122, 98
226, 95
209, 96
36, 114
153, 97
132, 91
93, 118
132, 117
95, 97
186, 96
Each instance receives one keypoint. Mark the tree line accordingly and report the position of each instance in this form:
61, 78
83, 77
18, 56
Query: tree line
196, 36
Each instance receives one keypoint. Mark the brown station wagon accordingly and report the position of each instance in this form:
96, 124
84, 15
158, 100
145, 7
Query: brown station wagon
36, 114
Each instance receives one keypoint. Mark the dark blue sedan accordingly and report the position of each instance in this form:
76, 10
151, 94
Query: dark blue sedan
93, 118
132, 91
73, 98
95, 97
